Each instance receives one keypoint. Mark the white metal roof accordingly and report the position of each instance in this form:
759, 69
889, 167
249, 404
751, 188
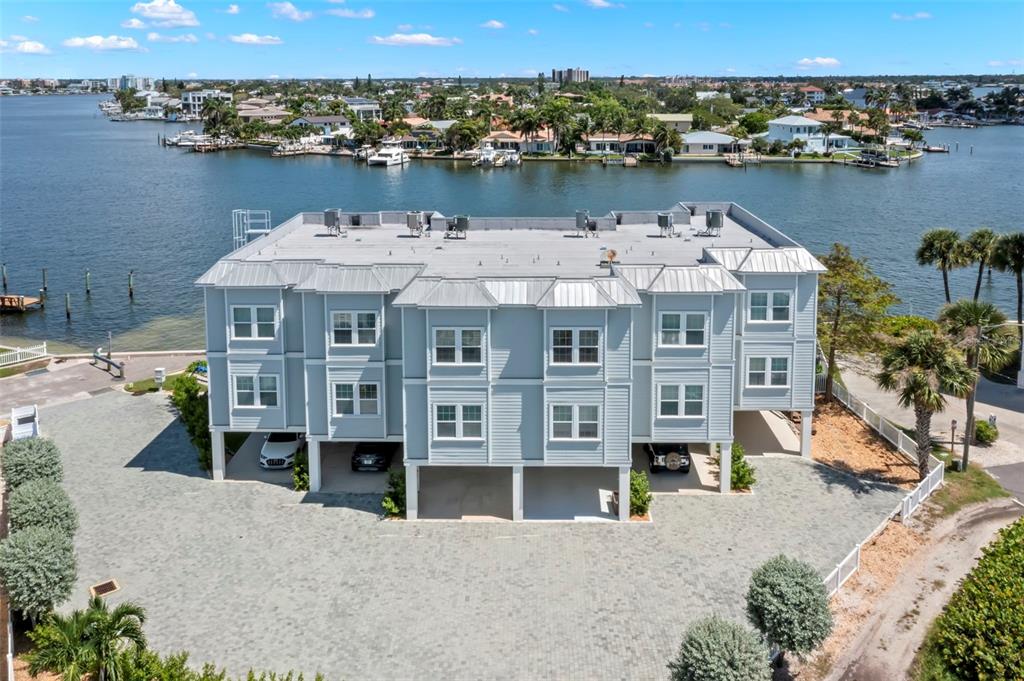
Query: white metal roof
457, 293
804, 258
684, 280
517, 291
336, 279
575, 294
619, 290
761, 261
722, 278
395, 277
242, 274
640, 276
415, 290
795, 120
788, 260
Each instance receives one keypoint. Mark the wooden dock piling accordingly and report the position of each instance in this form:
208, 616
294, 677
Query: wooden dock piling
42, 299
67, 306
5, 277
88, 288
45, 287
131, 284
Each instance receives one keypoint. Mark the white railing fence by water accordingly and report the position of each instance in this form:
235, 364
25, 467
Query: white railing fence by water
12, 356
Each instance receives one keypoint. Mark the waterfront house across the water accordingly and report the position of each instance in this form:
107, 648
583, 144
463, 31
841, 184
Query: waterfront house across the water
791, 128
526, 347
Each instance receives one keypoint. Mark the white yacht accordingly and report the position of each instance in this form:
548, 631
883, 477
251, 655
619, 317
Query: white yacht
390, 154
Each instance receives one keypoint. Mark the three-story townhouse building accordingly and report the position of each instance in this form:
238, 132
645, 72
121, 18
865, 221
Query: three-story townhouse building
520, 343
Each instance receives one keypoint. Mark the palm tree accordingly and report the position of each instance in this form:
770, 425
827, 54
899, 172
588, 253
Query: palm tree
979, 330
217, 115
979, 247
922, 367
113, 634
941, 247
830, 128
59, 646
1008, 256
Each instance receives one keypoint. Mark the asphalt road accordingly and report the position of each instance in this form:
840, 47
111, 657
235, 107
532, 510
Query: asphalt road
1011, 477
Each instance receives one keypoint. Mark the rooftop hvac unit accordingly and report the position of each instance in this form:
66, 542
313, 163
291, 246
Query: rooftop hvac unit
462, 223
332, 218
582, 218
715, 218
354, 220
664, 220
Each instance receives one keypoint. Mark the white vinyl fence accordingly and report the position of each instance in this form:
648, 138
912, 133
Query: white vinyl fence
906, 446
12, 356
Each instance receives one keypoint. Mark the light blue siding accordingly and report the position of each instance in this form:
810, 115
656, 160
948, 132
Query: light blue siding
392, 329
641, 401
414, 342
642, 325
316, 403
616, 426
256, 418
393, 395
682, 304
806, 307
517, 343
416, 427
517, 429
764, 397
315, 335
617, 345
356, 426
263, 297
216, 320
445, 451
295, 391
719, 404
292, 321
680, 428
803, 375
355, 303
723, 328
575, 319
220, 407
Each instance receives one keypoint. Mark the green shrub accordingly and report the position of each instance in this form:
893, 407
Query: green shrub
979, 633
787, 602
714, 649
985, 433
34, 458
394, 498
639, 493
899, 326
741, 474
42, 503
37, 566
194, 410
300, 471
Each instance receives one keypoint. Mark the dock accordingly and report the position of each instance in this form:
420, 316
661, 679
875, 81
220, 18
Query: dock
15, 303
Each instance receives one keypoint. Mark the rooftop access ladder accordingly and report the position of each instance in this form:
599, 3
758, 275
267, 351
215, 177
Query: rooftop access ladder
247, 224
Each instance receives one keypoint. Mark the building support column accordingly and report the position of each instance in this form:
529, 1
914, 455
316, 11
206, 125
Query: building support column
313, 449
412, 491
517, 492
623, 492
217, 452
725, 467
805, 433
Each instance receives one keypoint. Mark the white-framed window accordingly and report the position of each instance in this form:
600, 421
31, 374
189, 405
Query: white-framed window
253, 321
575, 422
458, 422
768, 372
256, 390
683, 329
770, 306
458, 346
355, 399
353, 328
575, 346
680, 400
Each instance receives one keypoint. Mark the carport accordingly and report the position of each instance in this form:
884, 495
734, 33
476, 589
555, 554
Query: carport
337, 476
244, 466
765, 432
464, 492
702, 478
569, 493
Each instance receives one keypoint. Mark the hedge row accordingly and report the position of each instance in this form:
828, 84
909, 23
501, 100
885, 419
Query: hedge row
194, 410
37, 560
980, 634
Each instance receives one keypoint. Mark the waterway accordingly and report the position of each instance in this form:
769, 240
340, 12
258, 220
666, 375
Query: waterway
78, 192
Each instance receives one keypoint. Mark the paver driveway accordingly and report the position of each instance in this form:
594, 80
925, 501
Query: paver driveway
251, 575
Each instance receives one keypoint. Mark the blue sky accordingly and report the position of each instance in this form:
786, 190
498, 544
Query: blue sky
344, 38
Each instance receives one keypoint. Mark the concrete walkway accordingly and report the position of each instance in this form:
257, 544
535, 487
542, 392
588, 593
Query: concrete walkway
1005, 401
75, 379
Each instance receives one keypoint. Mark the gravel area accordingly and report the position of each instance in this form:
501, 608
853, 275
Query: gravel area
245, 574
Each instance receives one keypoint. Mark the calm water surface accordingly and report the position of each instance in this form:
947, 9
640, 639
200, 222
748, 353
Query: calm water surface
78, 192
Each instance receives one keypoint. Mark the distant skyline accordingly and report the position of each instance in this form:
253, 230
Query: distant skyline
348, 38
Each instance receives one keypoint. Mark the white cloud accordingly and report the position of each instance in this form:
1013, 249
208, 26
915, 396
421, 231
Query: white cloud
533, 31
492, 23
916, 16
559, 8
345, 13
232, 9
273, 76
30, 19
253, 39
601, 4
817, 62
286, 10
730, 70
414, 39
157, 38
191, 74
404, 27
165, 13
23, 45
133, 23
99, 43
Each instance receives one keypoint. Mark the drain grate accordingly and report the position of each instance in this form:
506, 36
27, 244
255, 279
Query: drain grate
104, 588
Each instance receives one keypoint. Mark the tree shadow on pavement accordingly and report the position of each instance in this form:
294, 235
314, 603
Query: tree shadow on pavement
170, 451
